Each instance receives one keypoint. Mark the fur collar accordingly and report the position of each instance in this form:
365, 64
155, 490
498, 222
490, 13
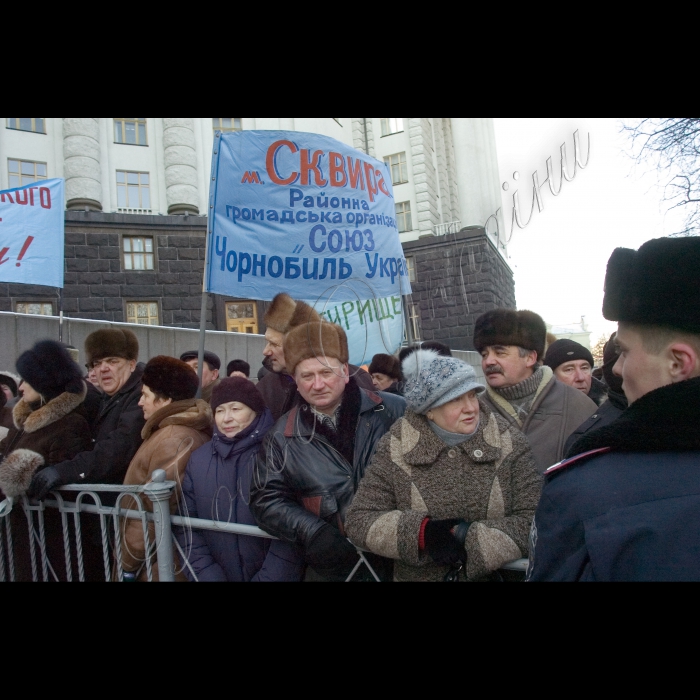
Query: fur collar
420, 445
32, 420
664, 420
193, 413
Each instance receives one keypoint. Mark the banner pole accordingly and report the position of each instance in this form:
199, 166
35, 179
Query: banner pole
60, 314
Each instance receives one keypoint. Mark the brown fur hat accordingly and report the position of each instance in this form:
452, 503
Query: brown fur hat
170, 378
111, 342
315, 340
386, 364
285, 313
525, 329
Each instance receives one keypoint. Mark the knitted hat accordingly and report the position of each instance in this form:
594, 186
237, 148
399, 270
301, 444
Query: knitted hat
285, 313
11, 380
238, 366
111, 342
561, 351
386, 364
209, 357
50, 370
237, 389
315, 340
655, 285
432, 380
171, 378
525, 329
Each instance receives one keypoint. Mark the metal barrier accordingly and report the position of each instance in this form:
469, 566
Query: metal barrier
160, 544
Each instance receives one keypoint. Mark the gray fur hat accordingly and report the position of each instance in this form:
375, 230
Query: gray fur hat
432, 380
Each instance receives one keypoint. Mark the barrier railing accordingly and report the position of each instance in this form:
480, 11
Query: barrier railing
74, 554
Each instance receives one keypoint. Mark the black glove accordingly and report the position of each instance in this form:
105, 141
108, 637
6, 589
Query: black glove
330, 554
442, 546
43, 481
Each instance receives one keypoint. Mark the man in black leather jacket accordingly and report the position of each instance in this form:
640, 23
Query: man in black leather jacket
314, 457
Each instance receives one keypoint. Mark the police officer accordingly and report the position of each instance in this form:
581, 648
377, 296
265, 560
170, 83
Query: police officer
627, 507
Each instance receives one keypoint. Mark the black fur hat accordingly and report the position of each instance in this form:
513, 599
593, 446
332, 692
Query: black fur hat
50, 370
655, 285
111, 342
171, 378
510, 327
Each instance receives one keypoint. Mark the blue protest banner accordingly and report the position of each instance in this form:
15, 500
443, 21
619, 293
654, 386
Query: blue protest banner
301, 213
31, 233
372, 326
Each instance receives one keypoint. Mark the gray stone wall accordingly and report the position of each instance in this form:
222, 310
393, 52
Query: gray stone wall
458, 277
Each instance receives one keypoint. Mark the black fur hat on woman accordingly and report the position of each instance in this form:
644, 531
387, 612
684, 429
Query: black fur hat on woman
50, 370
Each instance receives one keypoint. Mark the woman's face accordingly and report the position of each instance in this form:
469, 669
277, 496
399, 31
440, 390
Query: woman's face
381, 381
232, 417
29, 394
150, 403
461, 415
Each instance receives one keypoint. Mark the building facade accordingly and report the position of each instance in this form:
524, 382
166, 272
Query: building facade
137, 194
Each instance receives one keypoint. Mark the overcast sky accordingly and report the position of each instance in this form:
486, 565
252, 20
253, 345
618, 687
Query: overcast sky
559, 258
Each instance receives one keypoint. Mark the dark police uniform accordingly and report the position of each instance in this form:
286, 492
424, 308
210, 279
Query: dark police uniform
629, 508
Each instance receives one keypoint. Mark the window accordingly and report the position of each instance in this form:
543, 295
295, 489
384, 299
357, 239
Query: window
132, 190
23, 172
37, 125
411, 264
414, 319
138, 253
130, 131
41, 308
391, 126
241, 316
397, 165
403, 216
143, 312
227, 124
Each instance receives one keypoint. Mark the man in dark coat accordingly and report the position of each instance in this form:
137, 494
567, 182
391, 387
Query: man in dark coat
627, 507
117, 430
313, 459
572, 363
278, 388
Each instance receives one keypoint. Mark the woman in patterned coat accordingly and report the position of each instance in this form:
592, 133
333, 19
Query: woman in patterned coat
452, 488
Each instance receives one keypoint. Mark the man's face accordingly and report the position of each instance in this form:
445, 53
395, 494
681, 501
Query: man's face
112, 373
321, 381
274, 349
640, 370
576, 373
209, 375
504, 367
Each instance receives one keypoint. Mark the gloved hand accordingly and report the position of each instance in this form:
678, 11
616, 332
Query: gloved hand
330, 554
43, 481
441, 544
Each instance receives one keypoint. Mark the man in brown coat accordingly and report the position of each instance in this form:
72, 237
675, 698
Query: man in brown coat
523, 391
278, 388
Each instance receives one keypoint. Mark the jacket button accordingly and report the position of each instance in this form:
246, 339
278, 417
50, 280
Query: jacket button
452, 454
478, 453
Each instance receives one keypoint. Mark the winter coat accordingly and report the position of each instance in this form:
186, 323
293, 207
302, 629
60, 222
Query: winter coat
302, 481
489, 480
606, 414
40, 436
170, 436
279, 390
557, 410
631, 510
217, 487
117, 437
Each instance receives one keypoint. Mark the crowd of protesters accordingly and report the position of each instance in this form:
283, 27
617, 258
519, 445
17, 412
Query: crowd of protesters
409, 469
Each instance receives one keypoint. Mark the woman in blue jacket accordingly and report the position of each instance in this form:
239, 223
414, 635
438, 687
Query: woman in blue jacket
216, 486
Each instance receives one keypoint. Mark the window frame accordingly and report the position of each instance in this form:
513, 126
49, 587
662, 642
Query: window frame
138, 122
159, 311
414, 318
34, 300
400, 163
224, 129
126, 185
29, 131
124, 253
403, 215
20, 174
382, 121
411, 267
